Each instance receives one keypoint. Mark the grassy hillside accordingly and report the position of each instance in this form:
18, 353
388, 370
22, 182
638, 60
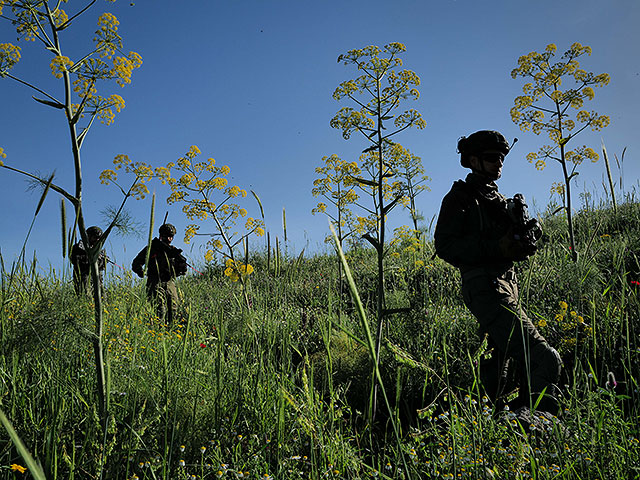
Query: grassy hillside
281, 390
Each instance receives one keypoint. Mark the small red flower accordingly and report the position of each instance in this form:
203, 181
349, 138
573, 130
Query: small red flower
635, 282
203, 345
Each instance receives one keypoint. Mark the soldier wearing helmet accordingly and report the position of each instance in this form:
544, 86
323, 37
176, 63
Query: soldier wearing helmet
166, 262
475, 233
80, 261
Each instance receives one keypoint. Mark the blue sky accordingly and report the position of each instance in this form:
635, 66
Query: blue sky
250, 83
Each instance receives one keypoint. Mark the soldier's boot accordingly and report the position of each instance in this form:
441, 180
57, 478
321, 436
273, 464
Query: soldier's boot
545, 376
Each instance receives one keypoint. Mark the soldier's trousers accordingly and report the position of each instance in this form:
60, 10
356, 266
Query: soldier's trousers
82, 284
164, 295
493, 300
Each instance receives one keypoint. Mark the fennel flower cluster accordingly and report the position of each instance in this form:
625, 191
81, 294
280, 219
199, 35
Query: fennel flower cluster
60, 64
106, 114
9, 56
235, 269
124, 66
60, 17
106, 37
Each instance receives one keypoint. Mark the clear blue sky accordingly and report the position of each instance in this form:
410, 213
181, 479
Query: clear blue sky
250, 83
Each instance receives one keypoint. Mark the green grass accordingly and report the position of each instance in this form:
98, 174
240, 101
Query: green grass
280, 390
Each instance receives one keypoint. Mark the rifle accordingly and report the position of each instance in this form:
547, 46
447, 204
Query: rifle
527, 230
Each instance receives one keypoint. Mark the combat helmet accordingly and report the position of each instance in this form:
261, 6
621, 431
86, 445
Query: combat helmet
94, 232
167, 230
480, 141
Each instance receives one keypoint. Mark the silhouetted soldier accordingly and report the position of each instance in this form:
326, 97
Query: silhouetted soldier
80, 261
477, 232
165, 264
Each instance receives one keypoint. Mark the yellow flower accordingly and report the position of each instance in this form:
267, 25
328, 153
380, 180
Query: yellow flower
123, 66
60, 17
193, 151
246, 269
9, 56
563, 306
59, 65
19, 468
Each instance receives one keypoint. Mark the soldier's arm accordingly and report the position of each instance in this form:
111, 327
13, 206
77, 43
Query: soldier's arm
138, 262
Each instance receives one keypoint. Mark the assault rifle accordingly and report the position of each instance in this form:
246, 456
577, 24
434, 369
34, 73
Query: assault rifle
527, 230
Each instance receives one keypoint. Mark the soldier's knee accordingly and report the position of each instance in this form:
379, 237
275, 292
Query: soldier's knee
550, 361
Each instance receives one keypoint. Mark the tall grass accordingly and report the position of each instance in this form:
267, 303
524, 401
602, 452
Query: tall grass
280, 390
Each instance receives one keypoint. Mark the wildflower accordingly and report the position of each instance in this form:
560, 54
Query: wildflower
182, 463
203, 448
60, 64
18, 468
202, 345
635, 282
9, 56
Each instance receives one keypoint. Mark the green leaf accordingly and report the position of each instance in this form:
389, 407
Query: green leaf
34, 469
44, 194
255, 195
364, 181
57, 105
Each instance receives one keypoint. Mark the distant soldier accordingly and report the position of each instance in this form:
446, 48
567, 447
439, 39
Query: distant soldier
80, 261
478, 233
165, 264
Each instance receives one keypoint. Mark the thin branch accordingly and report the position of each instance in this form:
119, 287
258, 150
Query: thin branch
34, 87
65, 24
53, 186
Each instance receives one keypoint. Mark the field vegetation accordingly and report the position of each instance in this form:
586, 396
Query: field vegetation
281, 389
271, 370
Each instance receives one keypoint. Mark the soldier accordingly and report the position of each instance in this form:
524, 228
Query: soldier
165, 264
80, 261
476, 234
